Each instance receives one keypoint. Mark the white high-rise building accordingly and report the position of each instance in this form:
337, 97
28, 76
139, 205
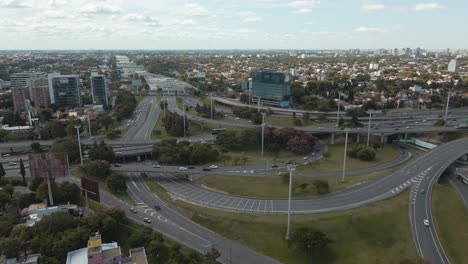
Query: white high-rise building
452, 66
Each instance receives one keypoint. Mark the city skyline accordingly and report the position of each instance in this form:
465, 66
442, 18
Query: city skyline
216, 24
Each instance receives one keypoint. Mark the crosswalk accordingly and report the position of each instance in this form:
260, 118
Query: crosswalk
142, 207
415, 182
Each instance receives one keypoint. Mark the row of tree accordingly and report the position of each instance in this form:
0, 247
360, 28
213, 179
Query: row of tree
169, 151
174, 124
276, 139
206, 110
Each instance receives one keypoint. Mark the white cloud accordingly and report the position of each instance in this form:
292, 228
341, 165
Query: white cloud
96, 9
254, 19
428, 6
304, 3
56, 14
139, 17
303, 11
368, 29
14, 3
196, 10
372, 7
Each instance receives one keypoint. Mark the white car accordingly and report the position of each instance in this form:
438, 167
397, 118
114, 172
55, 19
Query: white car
426, 222
213, 167
305, 158
12, 164
237, 118
147, 220
182, 168
156, 166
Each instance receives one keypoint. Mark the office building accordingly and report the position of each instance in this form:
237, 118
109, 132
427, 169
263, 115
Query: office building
39, 91
271, 88
452, 66
20, 94
105, 253
19, 79
100, 89
64, 90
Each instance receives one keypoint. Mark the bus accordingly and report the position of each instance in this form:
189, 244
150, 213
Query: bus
216, 131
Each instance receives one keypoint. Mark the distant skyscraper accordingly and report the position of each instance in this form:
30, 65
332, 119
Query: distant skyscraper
19, 79
100, 89
272, 88
64, 90
452, 66
39, 91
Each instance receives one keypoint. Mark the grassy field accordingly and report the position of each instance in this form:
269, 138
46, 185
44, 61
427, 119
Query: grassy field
335, 161
264, 187
450, 218
377, 233
254, 157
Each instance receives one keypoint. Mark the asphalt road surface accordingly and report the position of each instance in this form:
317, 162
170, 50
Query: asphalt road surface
145, 118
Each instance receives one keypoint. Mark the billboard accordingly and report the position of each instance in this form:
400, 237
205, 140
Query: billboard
53, 164
91, 187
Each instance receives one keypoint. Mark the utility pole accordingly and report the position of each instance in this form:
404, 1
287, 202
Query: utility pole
89, 126
78, 126
258, 104
368, 128
344, 158
338, 112
49, 186
183, 109
291, 169
211, 108
263, 131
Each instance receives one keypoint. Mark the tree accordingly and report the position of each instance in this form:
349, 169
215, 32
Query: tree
309, 239
36, 147
285, 178
306, 117
102, 151
98, 169
116, 183
439, 122
159, 250
2, 171
11, 247
326, 155
4, 199
244, 98
341, 121
321, 186
9, 189
27, 199
22, 170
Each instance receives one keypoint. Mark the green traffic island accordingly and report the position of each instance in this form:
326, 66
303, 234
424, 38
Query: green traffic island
376, 233
277, 187
450, 217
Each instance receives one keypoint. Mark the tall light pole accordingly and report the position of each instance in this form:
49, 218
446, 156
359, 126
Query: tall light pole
78, 126
368, 128
291, 169
263, 131
49, 187
89, 126
344, 158
446, 107
183, 111
338, 112
211, 108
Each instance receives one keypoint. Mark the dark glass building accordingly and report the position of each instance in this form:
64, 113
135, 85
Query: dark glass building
65, 90
99, 89
272, 88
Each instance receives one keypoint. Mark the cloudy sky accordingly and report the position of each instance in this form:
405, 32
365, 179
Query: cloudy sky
232, 24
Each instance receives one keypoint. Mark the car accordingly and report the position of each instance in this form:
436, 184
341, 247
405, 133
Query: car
237, 118
426, 222
305, 158
396, 128
289, 162
157, 166
404, 122
133, 210
422, 191
274, 166
12, 164
191, 167
313, 154
147, 220
117, 165
206, 169
182, 168
6, 155
213, 167
157, 207
408, 127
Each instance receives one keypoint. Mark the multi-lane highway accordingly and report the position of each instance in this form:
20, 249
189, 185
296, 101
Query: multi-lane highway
144, 120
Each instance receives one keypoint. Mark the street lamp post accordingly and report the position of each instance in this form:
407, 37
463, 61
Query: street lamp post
344, 158
49, 187
263, 131
211, 108
183, 109
338, 112
89, 126
368, 128
447, 106
78, 126
291, 169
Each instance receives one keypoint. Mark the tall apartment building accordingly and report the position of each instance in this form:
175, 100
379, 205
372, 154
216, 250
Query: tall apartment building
452, 66
19, 79
39, 91
100, 89
64, 90
271, 88
20, 94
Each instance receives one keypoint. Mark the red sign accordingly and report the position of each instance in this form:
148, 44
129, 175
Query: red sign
91, 187
54, 165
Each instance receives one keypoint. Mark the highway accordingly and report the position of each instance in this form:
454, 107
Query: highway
147, 114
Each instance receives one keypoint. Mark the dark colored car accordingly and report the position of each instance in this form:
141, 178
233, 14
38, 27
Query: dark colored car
117, 165
157, 207
206, 169
191, 167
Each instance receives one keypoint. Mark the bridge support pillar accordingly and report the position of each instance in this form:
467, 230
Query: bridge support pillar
358, 137
332, 138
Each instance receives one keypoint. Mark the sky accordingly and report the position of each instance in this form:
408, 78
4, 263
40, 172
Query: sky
233, 24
